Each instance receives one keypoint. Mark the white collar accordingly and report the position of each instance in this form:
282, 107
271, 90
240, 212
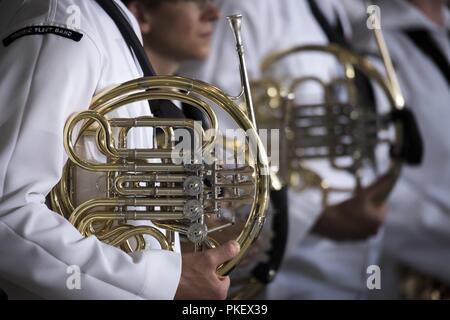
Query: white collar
334, 10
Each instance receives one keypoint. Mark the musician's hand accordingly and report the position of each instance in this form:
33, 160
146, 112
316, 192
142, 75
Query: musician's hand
199, 279
357, 218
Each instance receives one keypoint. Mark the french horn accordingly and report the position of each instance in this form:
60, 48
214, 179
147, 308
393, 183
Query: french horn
179, 195
336, 127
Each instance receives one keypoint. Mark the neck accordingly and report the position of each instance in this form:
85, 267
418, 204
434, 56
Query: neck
432, 9
163, 65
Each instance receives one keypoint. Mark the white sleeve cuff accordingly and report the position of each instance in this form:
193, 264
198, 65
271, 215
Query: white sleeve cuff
162, 276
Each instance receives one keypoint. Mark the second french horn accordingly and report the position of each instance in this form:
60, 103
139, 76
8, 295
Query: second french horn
339, 127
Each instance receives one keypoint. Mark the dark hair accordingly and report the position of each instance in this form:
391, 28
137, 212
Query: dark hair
147, 3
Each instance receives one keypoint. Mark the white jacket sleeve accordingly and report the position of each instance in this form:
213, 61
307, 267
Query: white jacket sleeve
305, 209
416, 231
43, 80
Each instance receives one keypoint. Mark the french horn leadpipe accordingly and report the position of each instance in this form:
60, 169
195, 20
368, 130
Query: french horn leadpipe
387, 59
235, 22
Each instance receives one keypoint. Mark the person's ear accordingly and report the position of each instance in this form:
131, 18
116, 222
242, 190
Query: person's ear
142, 16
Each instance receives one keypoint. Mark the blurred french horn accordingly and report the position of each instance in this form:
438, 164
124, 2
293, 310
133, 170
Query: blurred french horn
336, 126
113, 199
416, 285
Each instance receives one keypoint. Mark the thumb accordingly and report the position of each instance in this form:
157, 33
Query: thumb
381, 188
225, 252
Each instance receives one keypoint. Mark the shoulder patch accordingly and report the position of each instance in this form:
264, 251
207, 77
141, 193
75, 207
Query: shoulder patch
35, 30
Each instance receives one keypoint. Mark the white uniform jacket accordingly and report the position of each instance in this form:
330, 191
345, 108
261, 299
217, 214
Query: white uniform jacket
46, 74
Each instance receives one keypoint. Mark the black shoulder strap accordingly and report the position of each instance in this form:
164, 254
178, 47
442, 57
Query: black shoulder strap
334, 34
3, 295
129, 35
194, 113
423, 40
265, 272
160, 108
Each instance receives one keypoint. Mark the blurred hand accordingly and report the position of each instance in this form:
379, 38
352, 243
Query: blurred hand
199, 279
357, 218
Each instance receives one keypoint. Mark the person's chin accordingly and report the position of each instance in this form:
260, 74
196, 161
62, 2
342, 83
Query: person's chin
201, 54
